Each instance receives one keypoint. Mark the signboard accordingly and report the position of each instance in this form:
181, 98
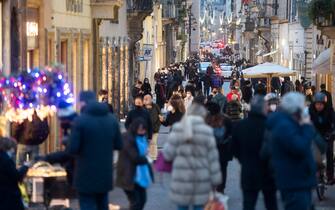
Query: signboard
148, 50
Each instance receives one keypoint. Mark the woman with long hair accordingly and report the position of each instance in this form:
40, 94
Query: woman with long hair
176, 110
222, 129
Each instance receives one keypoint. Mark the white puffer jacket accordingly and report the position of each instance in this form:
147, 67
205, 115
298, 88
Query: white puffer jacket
196, 169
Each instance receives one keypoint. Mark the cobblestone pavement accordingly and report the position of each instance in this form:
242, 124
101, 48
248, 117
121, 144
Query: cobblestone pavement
158, 193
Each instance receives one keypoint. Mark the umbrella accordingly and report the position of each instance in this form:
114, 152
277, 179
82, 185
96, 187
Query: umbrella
267, 70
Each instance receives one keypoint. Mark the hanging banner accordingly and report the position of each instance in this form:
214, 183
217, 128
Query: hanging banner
148, 50
305, 21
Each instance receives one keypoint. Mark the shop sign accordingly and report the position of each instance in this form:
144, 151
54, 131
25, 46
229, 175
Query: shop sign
32, 29
148, 51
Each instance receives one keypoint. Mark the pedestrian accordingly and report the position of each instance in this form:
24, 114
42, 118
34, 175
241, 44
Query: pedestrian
292, 159
176, 110
272, 102
133, 163
322, 117
94, 136
309, 96
206, 79
10, 177
233, 92
137, 89
234, 109
196, 167
260, 88
103, 98
256, 176
188, 99
247, 92
154, 112
287, 86
219, 98
146, 87
29, 134
222, 129
160, 93
139, 112
328, 94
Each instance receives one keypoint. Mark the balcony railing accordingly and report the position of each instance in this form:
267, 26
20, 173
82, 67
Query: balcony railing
139, 5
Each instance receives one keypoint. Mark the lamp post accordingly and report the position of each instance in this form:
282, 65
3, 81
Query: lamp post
306, 53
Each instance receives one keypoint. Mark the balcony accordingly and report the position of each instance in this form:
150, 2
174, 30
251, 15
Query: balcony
106, 9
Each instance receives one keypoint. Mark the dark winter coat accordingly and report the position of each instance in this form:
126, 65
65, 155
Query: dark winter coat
248, 137
135, 92
329, 98
154, 112
323, 121
94, 136
129, 158
291, 152
247, 93
221, 100
146, 88
10, 195
234, 110
140, 113
172, 118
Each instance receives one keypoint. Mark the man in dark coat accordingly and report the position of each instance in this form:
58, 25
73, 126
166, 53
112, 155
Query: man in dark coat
248, 136
139, 112
328, 94
94, 136
292, 158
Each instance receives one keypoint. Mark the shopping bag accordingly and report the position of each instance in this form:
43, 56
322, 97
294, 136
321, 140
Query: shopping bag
161, 165
24, 194
217, 201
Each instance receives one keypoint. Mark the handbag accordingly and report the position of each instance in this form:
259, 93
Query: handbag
161, 165
217, 201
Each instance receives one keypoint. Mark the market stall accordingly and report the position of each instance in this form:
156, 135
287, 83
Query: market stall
268, 71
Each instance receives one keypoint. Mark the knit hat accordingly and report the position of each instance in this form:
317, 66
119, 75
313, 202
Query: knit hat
87, 96
66, 110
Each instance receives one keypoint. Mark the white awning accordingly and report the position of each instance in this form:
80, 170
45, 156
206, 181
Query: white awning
270, 53
322, 64
259, 52
267, 69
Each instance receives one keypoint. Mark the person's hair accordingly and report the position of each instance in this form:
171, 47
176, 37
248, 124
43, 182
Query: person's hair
139, 82
257, 104
292, 102
139, 96
103, 92
7, 144
134, 126
323, 86
147, 94
200, 99
197, 110
177, 103
214, 118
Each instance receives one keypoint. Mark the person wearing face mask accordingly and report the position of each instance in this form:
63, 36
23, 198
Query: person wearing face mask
176, 110
134, 174
139, 112
146, 87
10, 195
219, 98
292, 158
272, 102
188, 99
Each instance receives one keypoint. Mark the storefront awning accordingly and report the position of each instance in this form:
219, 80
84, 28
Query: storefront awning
323, 64
259, 53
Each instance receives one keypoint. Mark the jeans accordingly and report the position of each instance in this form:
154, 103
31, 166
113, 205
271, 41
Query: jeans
297, 199
24, 152
187, 207
137, 198
250, 199
98, 201
330, 159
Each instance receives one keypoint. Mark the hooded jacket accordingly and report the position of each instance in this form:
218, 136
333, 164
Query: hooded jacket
94, 137
196, 168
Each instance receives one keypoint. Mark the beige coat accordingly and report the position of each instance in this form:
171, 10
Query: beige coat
196, 168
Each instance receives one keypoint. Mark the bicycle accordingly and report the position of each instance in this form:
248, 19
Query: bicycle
321, 178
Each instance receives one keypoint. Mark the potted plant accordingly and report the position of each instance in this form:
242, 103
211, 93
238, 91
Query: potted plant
322, 11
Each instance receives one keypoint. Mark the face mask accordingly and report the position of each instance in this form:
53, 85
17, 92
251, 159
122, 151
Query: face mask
170, 108
273, 107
